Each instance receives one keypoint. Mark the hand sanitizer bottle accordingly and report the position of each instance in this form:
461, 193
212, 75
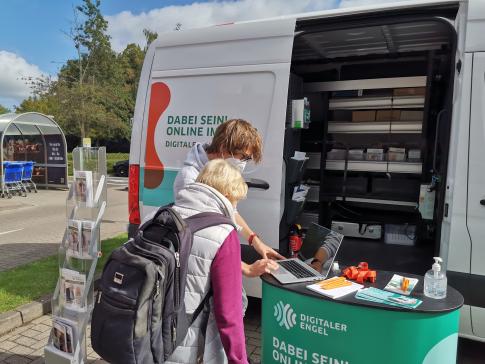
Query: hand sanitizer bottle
435, 281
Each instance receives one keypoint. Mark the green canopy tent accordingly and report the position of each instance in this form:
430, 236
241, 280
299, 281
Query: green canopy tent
35, 137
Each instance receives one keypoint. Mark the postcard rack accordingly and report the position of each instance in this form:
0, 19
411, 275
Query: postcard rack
73, 299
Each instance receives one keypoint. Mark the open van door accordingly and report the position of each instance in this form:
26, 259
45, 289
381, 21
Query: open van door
202, 77
476, 194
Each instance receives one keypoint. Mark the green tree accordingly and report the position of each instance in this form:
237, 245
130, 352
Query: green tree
3, 109
94, 95
43, 97
87, 85
150, 36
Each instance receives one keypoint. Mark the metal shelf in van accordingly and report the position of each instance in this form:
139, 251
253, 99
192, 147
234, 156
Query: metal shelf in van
313, 194
378, 201
376, 83
404, 167
313, 160
374, 166
375, 127
386, 102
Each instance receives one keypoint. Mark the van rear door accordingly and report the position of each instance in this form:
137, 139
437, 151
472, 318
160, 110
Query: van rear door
476, 194
199, 79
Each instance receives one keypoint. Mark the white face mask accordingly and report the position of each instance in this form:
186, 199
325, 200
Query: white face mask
237, 163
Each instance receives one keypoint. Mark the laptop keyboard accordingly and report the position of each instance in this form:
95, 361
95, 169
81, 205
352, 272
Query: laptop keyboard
296, 269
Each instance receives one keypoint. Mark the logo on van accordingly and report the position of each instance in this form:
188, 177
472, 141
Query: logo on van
284, 314
159, 101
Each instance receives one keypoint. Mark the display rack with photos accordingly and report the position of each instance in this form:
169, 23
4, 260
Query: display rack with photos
80, 248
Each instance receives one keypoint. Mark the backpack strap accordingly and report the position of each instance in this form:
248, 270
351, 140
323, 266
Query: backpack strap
204, 220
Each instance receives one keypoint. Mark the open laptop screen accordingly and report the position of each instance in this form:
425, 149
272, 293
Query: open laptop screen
318, 236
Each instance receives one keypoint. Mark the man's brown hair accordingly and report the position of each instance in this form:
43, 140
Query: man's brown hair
237, 136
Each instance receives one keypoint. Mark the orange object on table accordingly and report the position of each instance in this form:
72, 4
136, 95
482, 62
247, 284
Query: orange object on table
404, 284
361, 273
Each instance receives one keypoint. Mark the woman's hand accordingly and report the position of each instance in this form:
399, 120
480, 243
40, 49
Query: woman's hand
317, 265
264, 250
259, 267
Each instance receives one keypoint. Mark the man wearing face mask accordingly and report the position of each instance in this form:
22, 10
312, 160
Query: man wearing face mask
238, 142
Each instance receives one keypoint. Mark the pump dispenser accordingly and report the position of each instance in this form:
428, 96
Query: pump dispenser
435, 281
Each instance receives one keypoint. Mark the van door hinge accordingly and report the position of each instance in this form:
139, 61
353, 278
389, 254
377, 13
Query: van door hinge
458, 66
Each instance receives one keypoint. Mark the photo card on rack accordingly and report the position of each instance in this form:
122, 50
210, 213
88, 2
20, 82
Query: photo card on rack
63, 334
73, 284
86, 238
83, 187
59, 336
74, 238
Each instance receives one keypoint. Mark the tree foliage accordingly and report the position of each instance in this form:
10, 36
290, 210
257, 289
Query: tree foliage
3, 109
94, 94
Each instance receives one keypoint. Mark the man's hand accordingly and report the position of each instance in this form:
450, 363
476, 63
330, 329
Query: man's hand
259, 267
265, 251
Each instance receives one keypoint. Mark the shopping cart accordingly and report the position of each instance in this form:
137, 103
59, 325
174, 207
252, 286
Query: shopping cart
12, 179
27, 172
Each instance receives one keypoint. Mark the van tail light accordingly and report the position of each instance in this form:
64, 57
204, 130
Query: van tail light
134, 194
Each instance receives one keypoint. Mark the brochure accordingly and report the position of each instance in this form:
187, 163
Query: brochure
83, 187
87, 232
73, 284
63, 334
79, 236
335, 292
396, 284
393, 299
73, 232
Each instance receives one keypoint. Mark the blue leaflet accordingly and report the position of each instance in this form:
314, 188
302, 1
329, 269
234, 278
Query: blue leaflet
393, 299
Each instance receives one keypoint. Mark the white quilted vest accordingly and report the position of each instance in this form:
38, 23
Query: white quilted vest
194, 199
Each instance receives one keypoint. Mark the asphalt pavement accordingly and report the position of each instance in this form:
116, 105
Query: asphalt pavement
32, 227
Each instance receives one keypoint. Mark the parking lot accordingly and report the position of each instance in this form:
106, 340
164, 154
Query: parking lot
32, 227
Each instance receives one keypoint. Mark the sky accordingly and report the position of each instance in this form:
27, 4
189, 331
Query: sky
33, 40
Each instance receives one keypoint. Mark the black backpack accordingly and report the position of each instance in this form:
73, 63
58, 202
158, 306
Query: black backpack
139, 313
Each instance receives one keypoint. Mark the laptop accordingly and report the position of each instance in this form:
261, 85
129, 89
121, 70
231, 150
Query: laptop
295, 270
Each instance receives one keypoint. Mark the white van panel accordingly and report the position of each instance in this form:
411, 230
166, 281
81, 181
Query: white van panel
476, 177
465, 321
478, 321
454, 229
227, 45
255, 93
137, 147
476, 183
475, 26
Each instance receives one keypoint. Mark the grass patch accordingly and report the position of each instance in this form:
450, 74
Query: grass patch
111, 159
31, 281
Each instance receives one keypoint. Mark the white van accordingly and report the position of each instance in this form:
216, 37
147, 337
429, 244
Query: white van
395, 143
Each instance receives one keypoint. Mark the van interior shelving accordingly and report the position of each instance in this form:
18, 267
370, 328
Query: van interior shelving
374, 85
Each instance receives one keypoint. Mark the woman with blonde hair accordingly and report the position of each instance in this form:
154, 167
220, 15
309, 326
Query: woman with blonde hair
214, 263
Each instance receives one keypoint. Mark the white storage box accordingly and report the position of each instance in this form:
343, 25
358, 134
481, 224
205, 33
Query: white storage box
396, 154
356, 154
400, 234
355, 230
374, 154
336, 154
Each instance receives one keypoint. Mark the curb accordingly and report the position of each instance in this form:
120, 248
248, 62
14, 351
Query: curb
24, 314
